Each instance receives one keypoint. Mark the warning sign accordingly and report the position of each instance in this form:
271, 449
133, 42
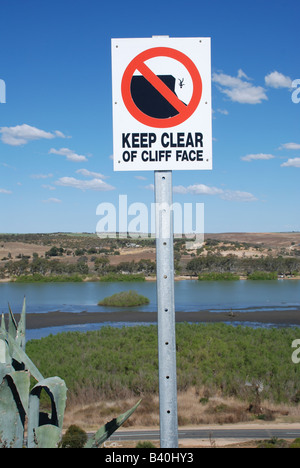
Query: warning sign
161, 104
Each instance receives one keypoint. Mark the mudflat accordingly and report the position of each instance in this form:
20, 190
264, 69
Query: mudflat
58, 318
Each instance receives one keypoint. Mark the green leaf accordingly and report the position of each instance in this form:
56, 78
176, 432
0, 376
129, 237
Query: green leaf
47, 436
109, 428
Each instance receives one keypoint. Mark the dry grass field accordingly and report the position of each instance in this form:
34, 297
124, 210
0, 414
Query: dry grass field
14, 247
193, 410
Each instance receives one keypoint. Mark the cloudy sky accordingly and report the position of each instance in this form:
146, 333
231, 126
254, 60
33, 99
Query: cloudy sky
56, 141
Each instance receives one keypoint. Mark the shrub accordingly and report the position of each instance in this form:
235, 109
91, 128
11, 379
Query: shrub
75, 437
112, 277
146, 444
218, 277
262, 275
124, 299
295, 444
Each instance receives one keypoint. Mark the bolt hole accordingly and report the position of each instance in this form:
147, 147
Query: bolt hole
166, 310
167, 376
165, 276
168, 411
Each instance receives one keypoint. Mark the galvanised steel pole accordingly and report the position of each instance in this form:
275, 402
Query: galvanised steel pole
166, 310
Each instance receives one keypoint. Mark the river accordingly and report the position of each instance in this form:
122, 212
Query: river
190, 296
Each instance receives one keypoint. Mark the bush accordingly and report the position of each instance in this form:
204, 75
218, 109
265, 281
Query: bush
75, 437
295, 444
38, 278
218, 277
124, 299
262, 275
273, 443
146, 444
112, 277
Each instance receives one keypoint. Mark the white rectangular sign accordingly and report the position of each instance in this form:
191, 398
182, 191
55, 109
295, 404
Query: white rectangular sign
162, 104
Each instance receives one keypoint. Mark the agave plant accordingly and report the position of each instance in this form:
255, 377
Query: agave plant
19, 402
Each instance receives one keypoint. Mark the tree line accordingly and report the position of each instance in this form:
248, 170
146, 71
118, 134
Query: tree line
50, 267
243, 265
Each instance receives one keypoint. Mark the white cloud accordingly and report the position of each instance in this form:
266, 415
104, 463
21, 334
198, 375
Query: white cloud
22, 134
52, 200
48, 187
139, 177
87, 173
278, 80
241, 74
41, 176
290, 146
223, 111
94, 184
201, 189
292, 162
150, 187
69, 154
252, 157
198, 189
237, 195
239, 89
7, 192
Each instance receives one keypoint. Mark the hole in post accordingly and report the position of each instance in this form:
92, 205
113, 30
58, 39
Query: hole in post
167, 376
165, 276
168, 411
166, 310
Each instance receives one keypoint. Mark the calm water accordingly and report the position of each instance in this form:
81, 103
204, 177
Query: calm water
189, 296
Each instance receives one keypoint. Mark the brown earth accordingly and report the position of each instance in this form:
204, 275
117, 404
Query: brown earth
272, 240
265, 240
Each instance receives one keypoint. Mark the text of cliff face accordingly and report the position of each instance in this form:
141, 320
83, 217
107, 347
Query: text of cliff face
148, 147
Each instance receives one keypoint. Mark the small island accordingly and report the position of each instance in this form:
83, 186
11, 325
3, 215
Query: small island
124, 299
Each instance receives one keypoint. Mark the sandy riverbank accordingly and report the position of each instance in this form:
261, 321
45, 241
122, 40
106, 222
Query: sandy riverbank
58, 319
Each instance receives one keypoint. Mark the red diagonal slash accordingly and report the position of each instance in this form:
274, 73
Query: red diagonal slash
184, 111
161, 87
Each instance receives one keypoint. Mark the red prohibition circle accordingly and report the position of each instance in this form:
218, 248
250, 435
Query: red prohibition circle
184, 112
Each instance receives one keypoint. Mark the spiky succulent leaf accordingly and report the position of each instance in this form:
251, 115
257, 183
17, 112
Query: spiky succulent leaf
109, 428
57, 391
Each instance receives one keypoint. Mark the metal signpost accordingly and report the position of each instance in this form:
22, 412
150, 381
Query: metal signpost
161, 123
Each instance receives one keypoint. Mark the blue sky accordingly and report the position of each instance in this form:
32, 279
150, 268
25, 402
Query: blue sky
56, 124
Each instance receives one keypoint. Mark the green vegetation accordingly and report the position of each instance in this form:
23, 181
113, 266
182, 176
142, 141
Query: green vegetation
112, 277
37, 278
262, 275
124, 299
243, 265
295, 444
218, 358
74, 437
274, 443
144, 445
218, 277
